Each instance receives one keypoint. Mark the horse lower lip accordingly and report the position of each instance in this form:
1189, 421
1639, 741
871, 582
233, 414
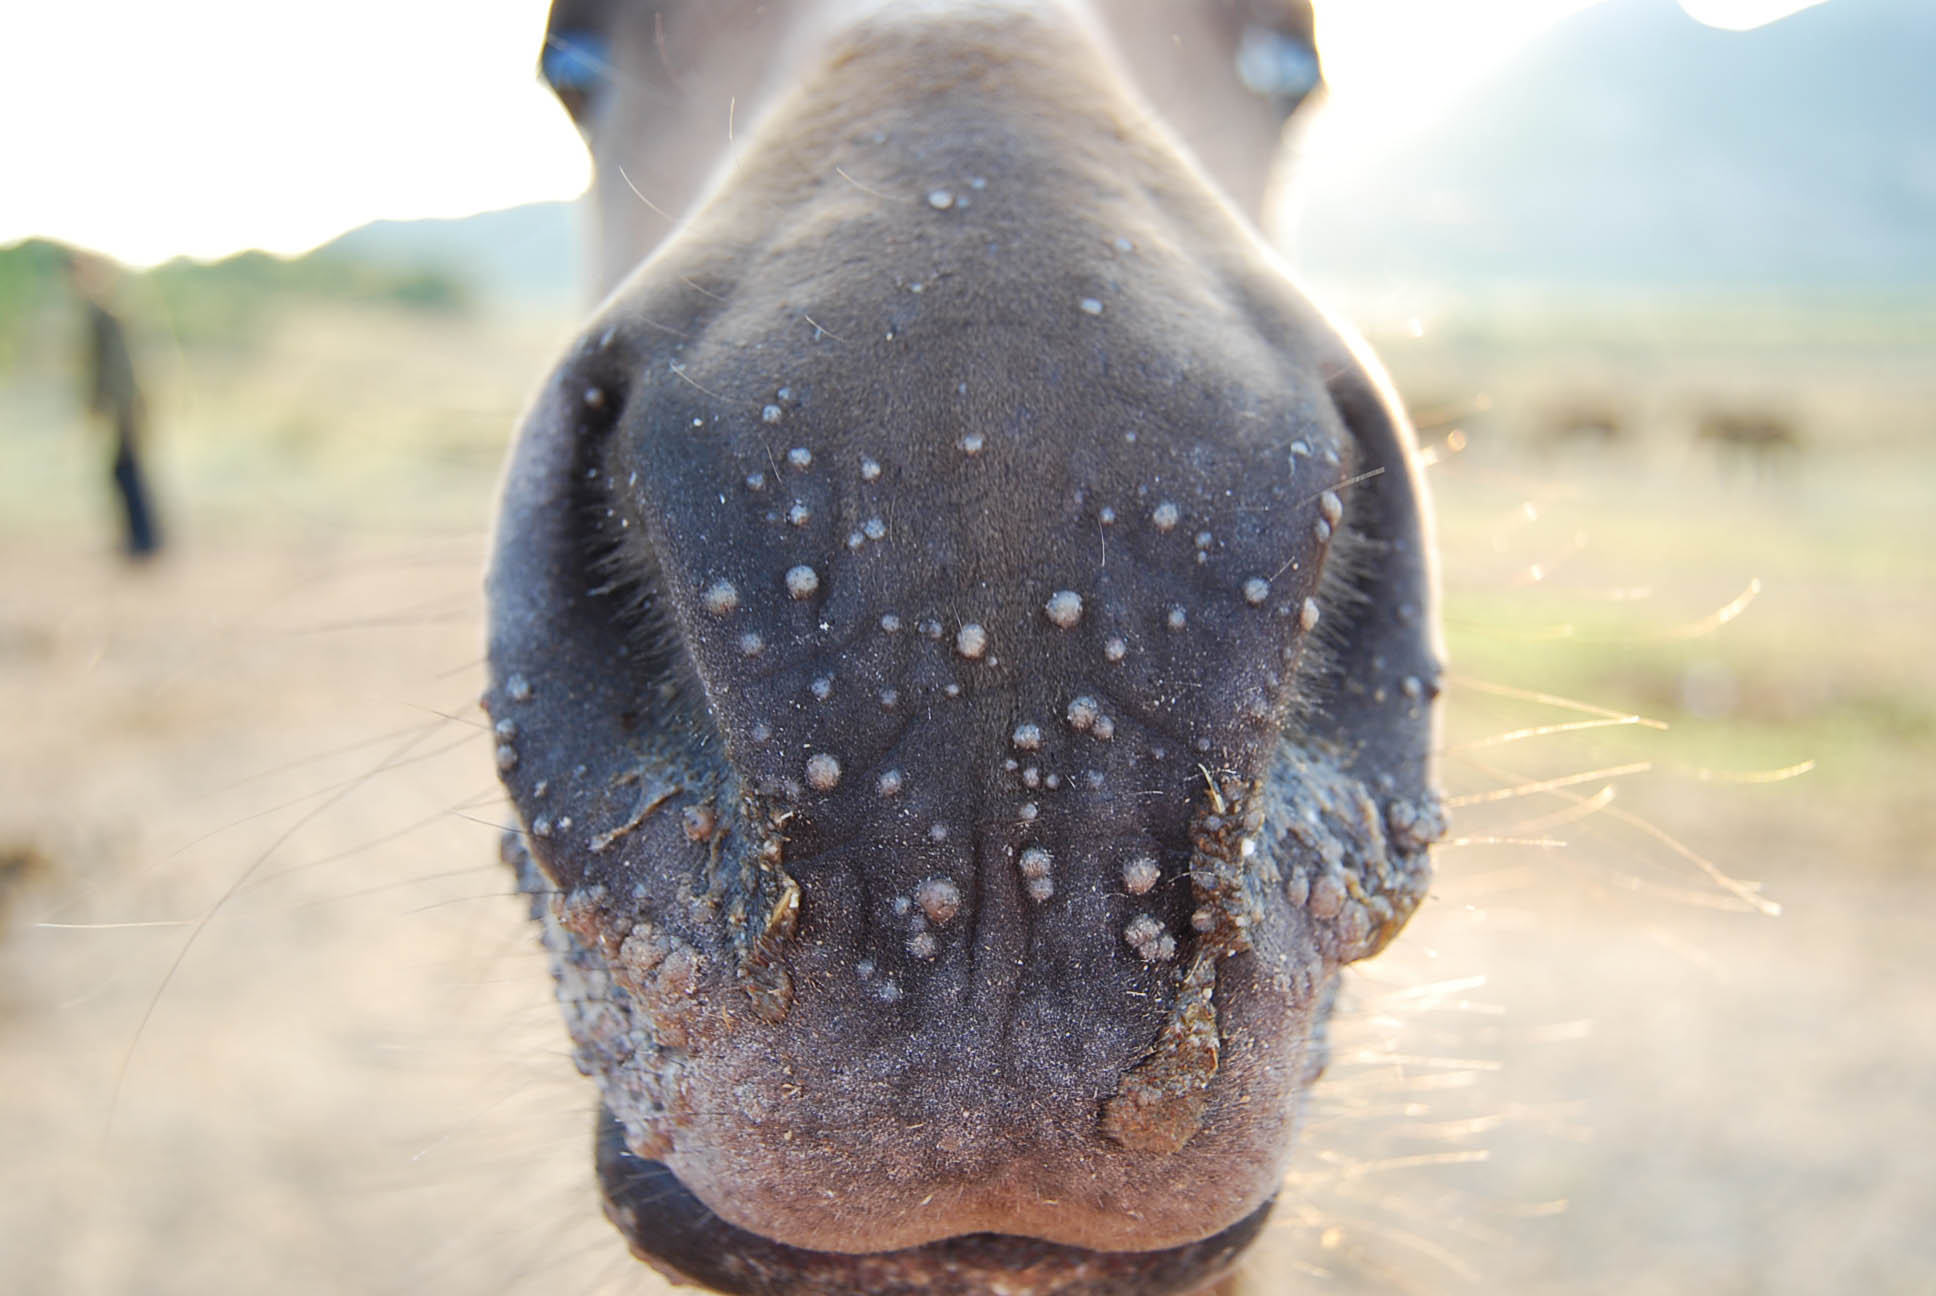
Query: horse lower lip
672, 1230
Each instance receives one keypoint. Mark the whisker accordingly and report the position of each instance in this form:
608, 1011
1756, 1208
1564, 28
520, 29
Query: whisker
1544, 731
1548, 785
209, 915
1719, 617
1478, 685
1744, 777
653, 207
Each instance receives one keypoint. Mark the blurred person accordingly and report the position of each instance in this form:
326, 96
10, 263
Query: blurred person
114, 394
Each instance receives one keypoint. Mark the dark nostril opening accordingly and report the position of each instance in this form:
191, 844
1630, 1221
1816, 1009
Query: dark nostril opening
669, 1228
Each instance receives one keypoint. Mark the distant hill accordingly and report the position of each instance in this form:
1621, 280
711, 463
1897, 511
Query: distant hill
1633, 148
529, 255
219, 301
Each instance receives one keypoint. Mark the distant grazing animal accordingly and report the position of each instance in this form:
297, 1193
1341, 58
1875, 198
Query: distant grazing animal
1761, 441
1585, 423
962, 643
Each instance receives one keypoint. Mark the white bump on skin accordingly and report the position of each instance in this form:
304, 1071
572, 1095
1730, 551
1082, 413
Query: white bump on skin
891, 623
750, 644
800, 457
1307, 616
823, 772
771, 414
1165, 516
1031, 777
1027, 811
869, 470
940, 199
1105, 728
518, 688
799, 514
939, 898
971, 641
1035, 865
875, 528
1330, 507
822, 688
1177, 618
1140, 874
1114, 648
756, 481
1083, 713
1064, 608
1256, 590
889, 784
938, 832
971, 444
1327, 897
1146, 936
698, 822
802, 582
1027, 736
1090, 306
594, 398
922, 945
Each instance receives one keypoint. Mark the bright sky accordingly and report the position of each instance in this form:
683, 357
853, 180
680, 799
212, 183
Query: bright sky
151, 129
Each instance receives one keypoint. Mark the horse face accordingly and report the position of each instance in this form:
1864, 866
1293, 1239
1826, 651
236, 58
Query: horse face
962, 653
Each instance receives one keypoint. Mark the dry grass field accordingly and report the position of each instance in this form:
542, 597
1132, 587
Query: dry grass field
270, 1020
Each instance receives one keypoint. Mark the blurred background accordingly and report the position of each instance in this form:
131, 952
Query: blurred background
1659, 284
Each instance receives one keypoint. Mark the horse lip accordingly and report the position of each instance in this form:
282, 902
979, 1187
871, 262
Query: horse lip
671, 1229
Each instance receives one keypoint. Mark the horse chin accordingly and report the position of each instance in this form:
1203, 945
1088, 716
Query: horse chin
670, 1229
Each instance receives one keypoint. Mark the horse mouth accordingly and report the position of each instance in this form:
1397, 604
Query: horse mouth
671, 1229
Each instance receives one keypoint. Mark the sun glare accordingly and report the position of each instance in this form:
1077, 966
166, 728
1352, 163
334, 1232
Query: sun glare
1740, 15
1392, 66
203, 127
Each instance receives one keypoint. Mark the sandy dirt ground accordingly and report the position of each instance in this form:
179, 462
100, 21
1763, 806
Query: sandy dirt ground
270, 1020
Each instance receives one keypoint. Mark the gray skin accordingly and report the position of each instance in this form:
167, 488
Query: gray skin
962, 651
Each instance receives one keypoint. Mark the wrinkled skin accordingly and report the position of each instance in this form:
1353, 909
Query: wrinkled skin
962, 652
